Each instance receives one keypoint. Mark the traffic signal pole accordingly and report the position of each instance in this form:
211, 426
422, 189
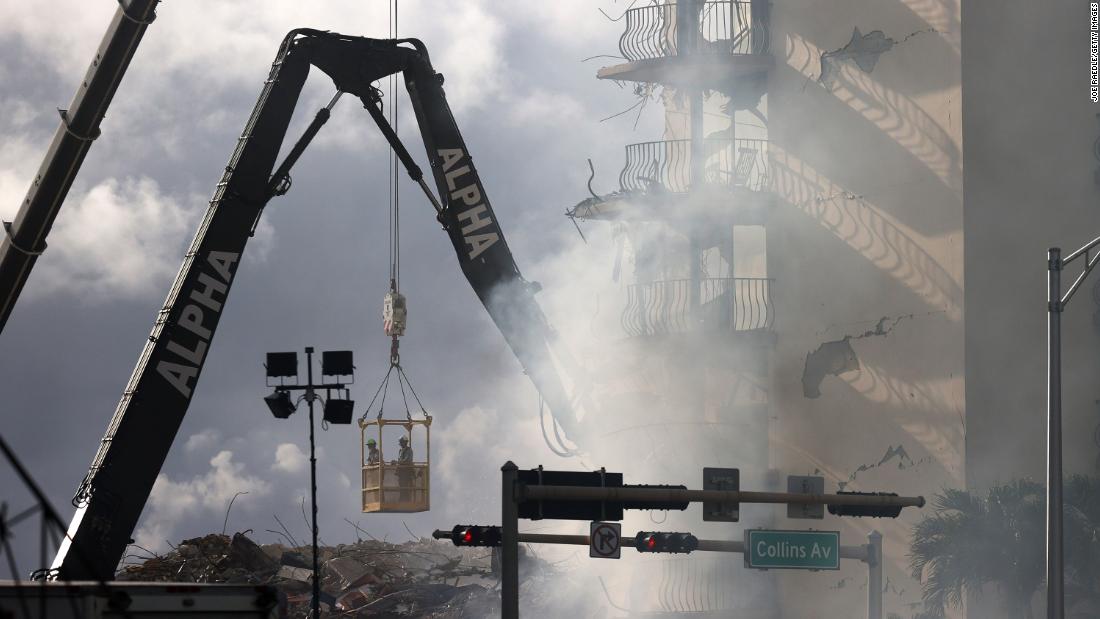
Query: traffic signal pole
533, 494
1056, 304
871, 554
525, 492
874, 574
509, 552
861, 553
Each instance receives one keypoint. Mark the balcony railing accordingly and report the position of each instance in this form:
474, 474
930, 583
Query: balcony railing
725, 27
667, 165
723, 305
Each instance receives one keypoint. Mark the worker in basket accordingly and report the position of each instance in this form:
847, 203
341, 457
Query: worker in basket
374, 457
405, 468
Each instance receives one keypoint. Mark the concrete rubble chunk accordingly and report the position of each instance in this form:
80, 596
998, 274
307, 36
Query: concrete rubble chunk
300, 574
294, 559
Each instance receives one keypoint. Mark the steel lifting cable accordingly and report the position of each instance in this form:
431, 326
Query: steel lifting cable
423, 410
394, 210
393, 169
382, 388
402, 382
404, 400
394, 193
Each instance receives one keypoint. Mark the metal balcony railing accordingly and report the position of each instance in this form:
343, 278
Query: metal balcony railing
725, 27
724, 305
667, 165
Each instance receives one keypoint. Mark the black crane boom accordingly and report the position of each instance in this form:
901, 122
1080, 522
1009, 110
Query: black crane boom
113, 493
25, 238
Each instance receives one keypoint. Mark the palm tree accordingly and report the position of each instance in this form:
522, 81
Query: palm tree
971, 541
1082, 544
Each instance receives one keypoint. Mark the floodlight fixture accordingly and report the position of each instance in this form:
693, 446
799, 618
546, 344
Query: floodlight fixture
337, 363
338, 410
280, 404
281, 364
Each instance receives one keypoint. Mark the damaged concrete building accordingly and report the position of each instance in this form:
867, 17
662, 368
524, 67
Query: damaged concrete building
791, 265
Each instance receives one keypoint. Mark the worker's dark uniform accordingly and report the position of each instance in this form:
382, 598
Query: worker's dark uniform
405, 472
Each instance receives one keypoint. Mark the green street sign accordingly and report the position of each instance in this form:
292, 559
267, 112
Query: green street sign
792, 550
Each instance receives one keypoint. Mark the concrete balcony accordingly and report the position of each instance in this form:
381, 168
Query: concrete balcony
740, 305
655, 184
731, 46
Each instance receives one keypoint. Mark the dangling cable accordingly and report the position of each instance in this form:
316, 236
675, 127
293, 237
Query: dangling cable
395, 327
562, 451
404, 399
381, 390
423, 410
561, 437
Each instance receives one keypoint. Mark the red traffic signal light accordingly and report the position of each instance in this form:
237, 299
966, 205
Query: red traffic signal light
654, 541
475, 535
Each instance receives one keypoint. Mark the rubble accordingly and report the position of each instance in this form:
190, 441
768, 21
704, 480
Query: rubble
421, 578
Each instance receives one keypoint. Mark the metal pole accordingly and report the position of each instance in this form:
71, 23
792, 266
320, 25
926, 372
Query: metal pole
586, 493
509, 555
705, 545
1055, 601
874, 575
315, 605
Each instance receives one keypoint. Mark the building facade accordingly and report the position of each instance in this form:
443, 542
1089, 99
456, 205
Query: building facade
791, 278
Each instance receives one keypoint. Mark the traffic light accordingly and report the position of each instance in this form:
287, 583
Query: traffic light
475, 535
665, 505
571, 510
585, 510
872, 511
655, 541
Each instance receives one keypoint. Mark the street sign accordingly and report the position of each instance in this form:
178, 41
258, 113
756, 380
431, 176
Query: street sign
604, 540
721, 479
805, 484
796, 550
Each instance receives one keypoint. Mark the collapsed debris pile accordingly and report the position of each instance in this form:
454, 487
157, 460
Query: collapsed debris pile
422, 578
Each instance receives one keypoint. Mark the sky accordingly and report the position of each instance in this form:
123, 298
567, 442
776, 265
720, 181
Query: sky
530, 110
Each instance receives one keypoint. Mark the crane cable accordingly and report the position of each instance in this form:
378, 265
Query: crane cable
394, 166
394, 206
394, 210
